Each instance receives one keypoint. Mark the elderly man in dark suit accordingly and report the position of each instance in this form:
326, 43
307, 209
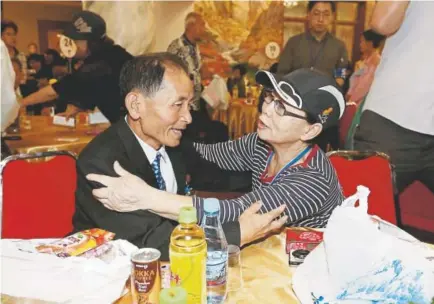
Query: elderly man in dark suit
158, 94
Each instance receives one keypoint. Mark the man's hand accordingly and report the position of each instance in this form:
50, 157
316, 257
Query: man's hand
123, 193
254, 226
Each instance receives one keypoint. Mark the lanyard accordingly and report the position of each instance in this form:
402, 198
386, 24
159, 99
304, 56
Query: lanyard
292, 162
321, 48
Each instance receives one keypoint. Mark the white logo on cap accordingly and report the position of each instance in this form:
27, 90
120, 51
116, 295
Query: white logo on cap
294, 96
82, 26
295, 99
337, 95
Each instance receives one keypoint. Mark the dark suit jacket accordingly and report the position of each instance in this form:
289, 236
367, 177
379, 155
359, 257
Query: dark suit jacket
142, 228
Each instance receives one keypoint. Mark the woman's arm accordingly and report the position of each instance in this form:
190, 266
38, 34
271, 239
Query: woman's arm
128, 192
43, 95
302, 192
235, 155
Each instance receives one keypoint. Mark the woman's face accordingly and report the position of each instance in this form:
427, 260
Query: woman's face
276, 129
82, 49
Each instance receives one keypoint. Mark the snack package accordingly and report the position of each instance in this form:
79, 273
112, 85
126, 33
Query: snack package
300, 243
78, 243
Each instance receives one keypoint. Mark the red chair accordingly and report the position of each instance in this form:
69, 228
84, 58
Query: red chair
417, 207
373, 170
346, 121
38, 194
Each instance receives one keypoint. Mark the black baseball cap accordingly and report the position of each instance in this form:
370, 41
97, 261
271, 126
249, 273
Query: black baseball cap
309, 90
86, 25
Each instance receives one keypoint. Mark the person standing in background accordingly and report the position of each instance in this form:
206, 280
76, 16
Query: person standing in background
32, 48
96, 82
398, 114
9, 37
316, 48
187, 49
238, 80
364, 71
9, 105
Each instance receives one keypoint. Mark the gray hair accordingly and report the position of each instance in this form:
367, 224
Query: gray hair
146, 72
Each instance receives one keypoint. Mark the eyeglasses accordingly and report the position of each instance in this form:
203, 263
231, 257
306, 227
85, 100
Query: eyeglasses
279, 107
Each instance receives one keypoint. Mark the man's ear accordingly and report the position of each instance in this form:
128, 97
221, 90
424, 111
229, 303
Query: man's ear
132, 103
311, 132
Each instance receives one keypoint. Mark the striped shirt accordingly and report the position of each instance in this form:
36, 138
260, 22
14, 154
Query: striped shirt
310, 190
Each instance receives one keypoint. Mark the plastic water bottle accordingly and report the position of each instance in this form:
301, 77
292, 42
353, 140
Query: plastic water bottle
217, 253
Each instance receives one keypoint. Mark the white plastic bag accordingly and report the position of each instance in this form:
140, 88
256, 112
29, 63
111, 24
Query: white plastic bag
216, 93
27, 273
364, 259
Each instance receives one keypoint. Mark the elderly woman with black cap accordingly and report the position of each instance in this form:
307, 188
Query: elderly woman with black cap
96, 82
287, 168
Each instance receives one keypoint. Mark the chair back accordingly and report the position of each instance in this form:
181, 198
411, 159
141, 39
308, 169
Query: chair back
373, 170
417, 207
38, 194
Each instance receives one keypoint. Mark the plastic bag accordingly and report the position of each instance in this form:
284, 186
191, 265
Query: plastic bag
364, 259
216, 93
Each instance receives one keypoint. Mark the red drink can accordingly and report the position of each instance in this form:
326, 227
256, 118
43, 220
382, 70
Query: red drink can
145, 276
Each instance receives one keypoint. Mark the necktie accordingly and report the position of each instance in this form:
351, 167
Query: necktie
157, 172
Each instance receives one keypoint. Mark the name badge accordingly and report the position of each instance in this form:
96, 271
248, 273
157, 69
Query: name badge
340, 73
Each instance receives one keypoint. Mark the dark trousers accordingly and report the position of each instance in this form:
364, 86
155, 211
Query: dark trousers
411, 153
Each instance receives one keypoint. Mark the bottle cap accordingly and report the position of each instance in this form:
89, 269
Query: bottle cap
187, 215
211, 205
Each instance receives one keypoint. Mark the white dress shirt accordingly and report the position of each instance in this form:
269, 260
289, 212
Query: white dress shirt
165, 163
403, 88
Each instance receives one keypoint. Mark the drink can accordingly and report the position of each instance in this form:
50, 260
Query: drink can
145, 276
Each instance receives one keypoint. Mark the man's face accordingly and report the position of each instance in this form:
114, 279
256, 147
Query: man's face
199, 28
9, 37
165, 116
320, 17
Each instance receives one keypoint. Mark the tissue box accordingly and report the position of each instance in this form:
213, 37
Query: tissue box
300, 243
97, 118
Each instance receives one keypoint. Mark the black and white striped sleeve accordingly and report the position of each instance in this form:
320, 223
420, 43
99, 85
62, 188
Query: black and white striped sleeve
235, 155
303, 192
